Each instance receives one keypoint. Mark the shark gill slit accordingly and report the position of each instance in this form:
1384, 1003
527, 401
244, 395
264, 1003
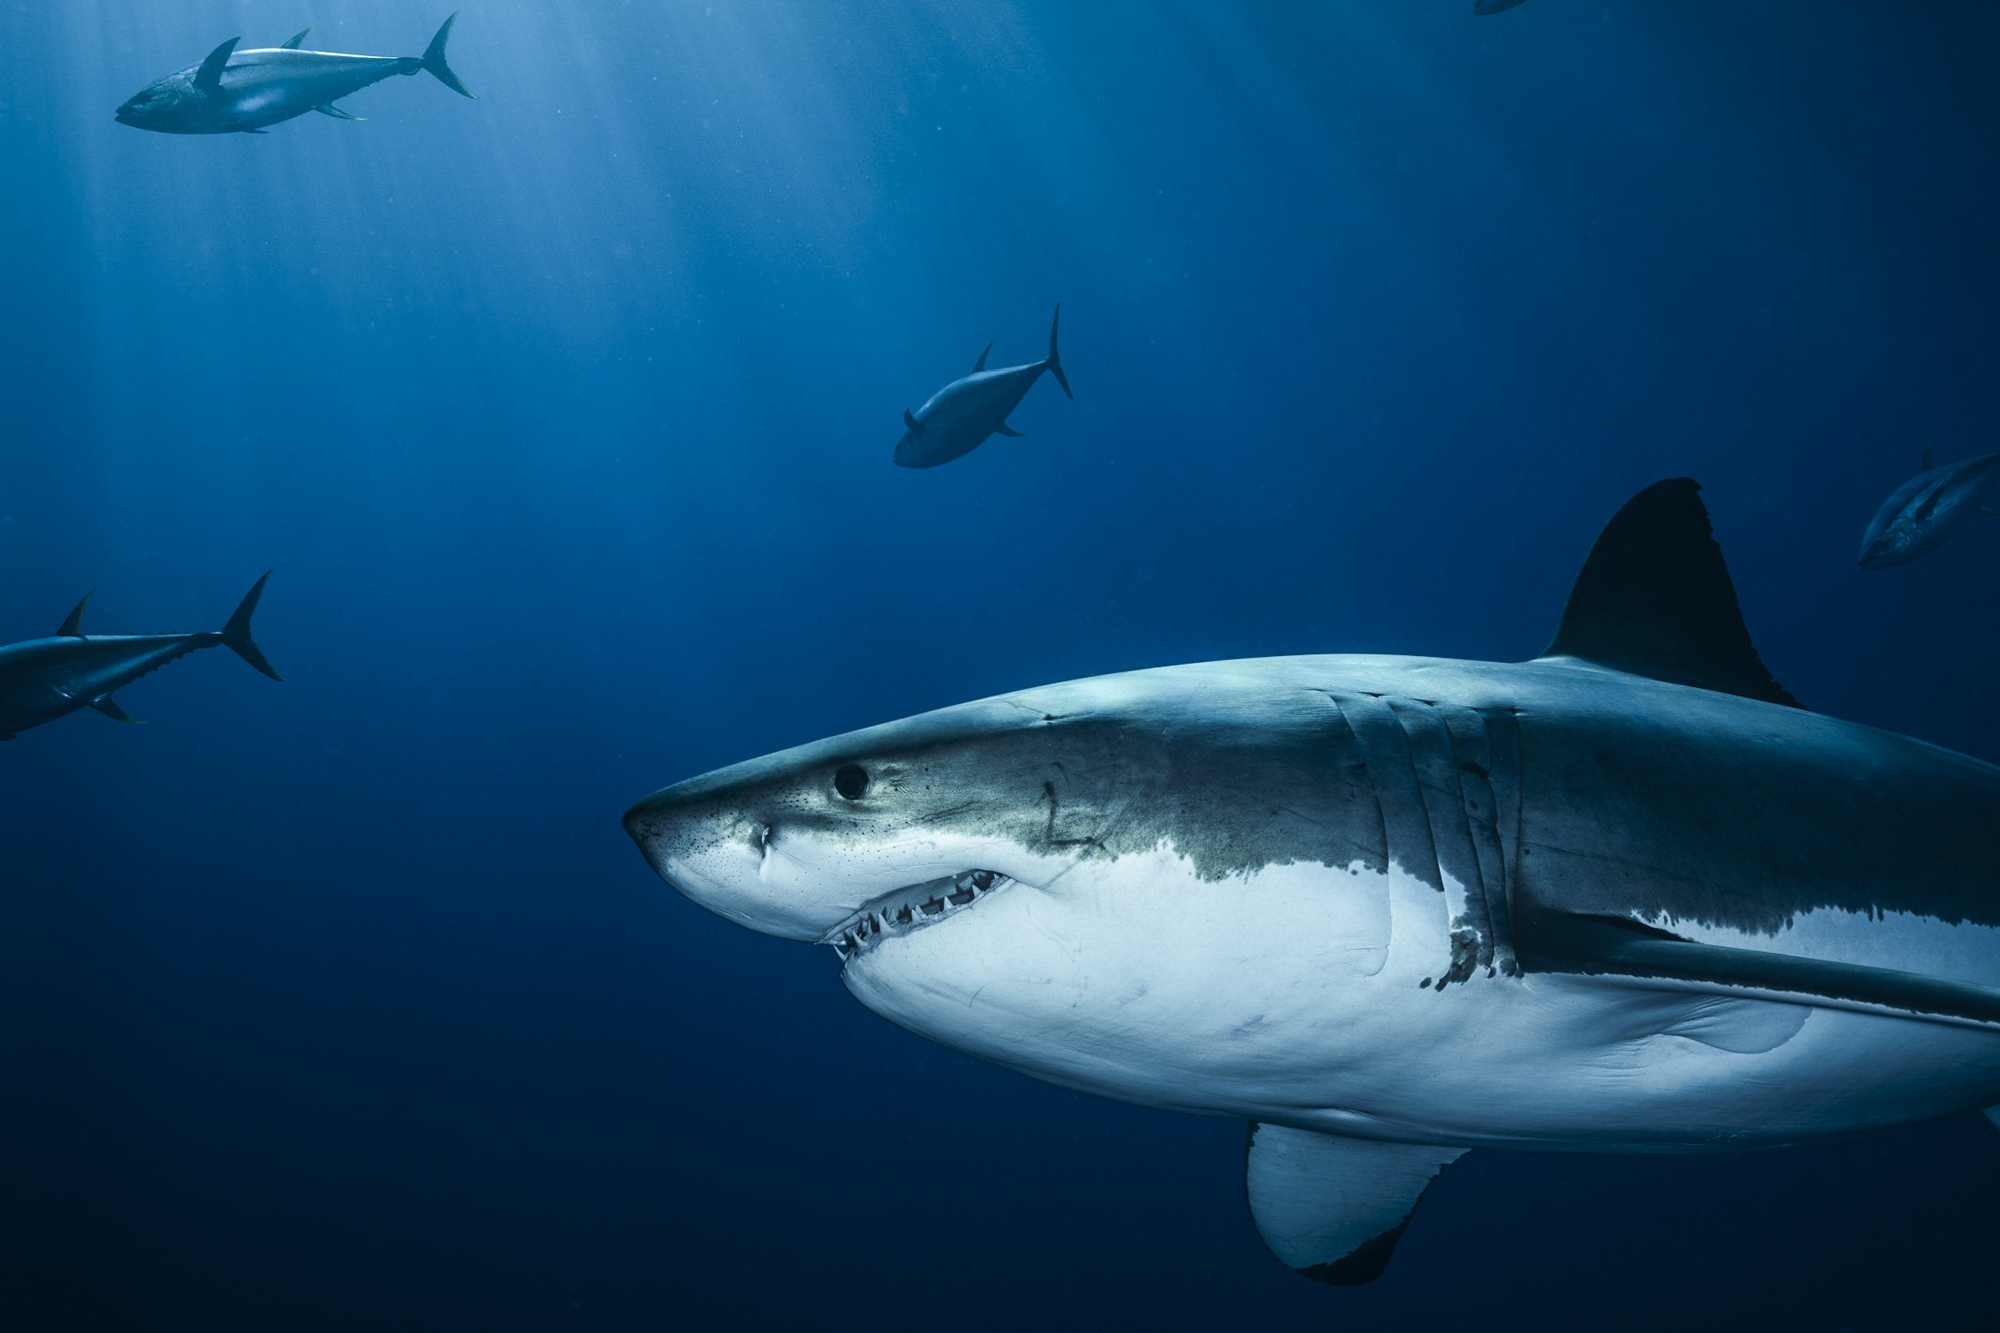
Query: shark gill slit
1446, 783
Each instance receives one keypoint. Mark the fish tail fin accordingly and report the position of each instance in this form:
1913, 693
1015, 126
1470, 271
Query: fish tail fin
1054, 362
236, 634
434, 61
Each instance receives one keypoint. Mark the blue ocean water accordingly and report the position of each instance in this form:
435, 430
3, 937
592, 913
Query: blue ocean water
564, 417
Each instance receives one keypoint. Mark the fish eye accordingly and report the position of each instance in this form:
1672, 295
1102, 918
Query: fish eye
851, 781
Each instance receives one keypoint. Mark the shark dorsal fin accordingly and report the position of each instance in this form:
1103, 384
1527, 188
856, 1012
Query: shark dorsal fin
1654, 598
980, 364
209, 77
72, 626
297, 38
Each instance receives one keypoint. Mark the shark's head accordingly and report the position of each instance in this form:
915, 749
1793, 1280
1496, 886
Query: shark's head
173, 106
1006, 876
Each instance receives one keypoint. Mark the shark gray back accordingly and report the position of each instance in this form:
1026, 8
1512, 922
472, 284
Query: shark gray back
241, 92
1628, 896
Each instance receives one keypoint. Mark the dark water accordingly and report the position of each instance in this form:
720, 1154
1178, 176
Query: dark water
565, 417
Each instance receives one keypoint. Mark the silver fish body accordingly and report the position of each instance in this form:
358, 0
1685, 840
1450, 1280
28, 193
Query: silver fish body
44, 679
967, 412
1927, 510
236, 92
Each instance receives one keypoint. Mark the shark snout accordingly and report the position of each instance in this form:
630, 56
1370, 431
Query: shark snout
713, 854
740, 862
761, 845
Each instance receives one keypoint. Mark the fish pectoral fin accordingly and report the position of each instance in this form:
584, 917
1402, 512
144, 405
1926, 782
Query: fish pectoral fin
209, 77
1004, 429
1333, 1208
297, 38
109, 707
329, 109
916, 427
253, 131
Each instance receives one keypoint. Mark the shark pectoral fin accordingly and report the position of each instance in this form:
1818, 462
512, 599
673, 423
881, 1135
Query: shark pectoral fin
1333, 1208
253, 131
1004, 429
297, 38
916, 428
329, 109
980, 364
109, 707
72, 626
1994, 512
1991, 1113
209, 77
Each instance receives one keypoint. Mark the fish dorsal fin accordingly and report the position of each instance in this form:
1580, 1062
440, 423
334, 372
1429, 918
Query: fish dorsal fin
1928, 464
980, 364
293, 45
1333, 1208
1654, 598
72, 626
209, 77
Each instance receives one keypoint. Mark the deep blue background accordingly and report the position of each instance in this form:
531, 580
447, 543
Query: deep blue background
565, 418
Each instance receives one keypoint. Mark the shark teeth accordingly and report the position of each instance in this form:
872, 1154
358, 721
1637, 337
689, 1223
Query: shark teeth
911, 908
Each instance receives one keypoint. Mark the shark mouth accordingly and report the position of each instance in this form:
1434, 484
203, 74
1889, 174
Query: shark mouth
901, 911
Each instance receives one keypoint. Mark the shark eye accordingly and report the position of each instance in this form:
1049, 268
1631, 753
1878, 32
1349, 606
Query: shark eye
851, 781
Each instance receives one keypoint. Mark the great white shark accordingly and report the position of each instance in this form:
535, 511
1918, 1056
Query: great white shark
240, 92
44, 679
1627, 896
967, 412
